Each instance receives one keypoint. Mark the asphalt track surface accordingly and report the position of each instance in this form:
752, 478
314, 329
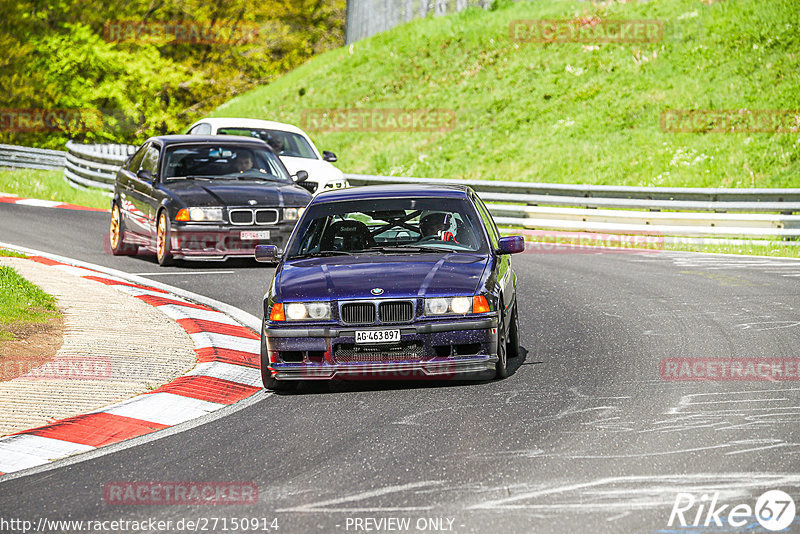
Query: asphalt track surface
583, 436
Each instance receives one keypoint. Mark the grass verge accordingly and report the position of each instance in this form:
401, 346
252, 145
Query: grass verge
22, 302
48, 185
559, 112
11, 254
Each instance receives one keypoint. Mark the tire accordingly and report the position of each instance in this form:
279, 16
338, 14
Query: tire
266, 376
116, 234
163, 253
501, 367
512, 343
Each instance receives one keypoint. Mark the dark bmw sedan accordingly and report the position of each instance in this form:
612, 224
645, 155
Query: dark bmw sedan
204, 198
391, 282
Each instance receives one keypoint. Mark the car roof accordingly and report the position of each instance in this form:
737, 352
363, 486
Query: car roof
209, 139
373, 192
233, 122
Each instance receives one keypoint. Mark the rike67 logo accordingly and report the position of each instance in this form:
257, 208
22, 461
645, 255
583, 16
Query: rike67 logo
774, 511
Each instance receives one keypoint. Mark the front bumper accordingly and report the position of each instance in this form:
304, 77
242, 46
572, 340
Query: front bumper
315, 353
216, 242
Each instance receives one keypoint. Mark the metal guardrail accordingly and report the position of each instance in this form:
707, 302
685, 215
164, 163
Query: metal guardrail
613, 209
95, 166
697, 212
24, 157
600, 192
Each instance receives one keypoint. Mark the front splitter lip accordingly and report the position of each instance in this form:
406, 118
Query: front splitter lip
436, 369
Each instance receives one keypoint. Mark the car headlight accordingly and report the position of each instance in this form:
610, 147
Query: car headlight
199, 214
304, 311
292, 214
456, 305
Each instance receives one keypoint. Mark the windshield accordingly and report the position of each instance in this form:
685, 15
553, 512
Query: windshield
283, 143
224, 162
403, 225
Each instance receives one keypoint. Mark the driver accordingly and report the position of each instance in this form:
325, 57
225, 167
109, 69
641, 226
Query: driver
439, 225
244, 161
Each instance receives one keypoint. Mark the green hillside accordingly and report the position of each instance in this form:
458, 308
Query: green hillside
561, 112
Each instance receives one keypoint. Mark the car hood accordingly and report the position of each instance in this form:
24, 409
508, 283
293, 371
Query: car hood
226, 193
400, 276
318, 170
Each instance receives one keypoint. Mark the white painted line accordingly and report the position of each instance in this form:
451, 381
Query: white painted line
325, 506
176, 312
41, 447
177, 273
164, 408
11, 461
224, 341
40, 203
228, 371
141, 440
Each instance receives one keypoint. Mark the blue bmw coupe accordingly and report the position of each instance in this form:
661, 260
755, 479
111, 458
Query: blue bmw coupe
391, 282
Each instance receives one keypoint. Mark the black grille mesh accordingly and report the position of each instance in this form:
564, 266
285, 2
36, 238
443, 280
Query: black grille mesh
242, 217
396, 312
266, 216
347, 352
358, 313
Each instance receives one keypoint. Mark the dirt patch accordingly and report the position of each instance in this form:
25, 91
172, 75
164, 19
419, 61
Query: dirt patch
33, 345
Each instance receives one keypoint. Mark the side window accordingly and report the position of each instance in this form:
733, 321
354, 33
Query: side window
494, 234
201, 129
136, 160
150, 160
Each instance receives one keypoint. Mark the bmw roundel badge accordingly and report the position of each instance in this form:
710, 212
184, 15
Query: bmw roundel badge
377, 291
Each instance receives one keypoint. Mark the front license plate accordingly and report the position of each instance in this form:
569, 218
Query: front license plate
262, 234
377, 336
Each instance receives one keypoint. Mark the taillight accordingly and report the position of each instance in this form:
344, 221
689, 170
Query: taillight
277, 313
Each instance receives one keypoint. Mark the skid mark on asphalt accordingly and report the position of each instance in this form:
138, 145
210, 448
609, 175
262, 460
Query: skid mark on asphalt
768, 325
331, 505
617, 495
778, 266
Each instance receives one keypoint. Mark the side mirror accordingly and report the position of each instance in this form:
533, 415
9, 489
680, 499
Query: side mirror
144, 175
301, 176
329, 156
511, 244
266, 253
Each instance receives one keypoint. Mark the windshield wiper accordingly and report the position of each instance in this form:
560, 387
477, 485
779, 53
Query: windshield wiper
400, 249
321, 254
194, 177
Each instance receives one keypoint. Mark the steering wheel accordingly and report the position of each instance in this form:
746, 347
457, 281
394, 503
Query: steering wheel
429, 238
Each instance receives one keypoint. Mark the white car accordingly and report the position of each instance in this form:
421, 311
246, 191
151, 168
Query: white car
290, 143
